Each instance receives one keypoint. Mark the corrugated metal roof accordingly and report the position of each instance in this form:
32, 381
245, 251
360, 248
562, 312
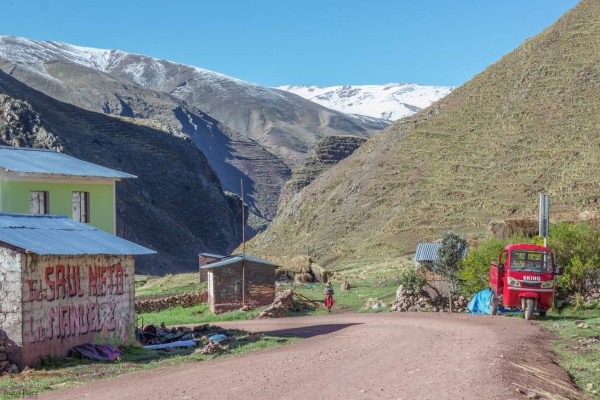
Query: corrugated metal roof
47, 162
59, 235
210, 255
428, 251
234, 259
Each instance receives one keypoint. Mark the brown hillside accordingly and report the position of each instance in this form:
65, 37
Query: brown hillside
528, 124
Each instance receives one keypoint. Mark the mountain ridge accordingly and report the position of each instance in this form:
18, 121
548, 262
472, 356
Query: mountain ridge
288, 125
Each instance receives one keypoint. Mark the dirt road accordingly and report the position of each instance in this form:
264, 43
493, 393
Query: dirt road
354, 356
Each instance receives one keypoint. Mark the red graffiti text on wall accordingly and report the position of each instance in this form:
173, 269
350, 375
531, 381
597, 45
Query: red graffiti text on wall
66, 281
74, 320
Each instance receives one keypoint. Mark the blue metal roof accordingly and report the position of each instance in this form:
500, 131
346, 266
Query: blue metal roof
48, 162
429, 251
210, 255
235, 259
59, 235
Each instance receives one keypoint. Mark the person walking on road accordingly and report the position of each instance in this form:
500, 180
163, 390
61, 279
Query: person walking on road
329, 302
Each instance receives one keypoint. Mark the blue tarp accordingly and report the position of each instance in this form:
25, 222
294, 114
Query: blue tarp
480, 304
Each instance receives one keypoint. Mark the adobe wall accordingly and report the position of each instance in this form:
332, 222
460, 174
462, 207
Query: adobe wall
226, 292
204, 260
71, 300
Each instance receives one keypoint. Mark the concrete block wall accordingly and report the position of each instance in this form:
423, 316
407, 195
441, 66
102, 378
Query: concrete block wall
64, 301
10, 305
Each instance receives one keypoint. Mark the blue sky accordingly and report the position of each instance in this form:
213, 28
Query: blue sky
320, 42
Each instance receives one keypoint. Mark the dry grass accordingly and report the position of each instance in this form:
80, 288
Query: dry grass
527, 124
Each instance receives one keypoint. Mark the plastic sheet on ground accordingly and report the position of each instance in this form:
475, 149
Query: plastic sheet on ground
183, 343
480, 304
100, 352
217, 338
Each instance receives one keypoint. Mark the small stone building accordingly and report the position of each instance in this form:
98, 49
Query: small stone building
204, 259
63, 283
238, 281
425, 255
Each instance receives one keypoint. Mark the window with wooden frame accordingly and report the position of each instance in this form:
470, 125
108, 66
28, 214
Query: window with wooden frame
38, 202
81, 206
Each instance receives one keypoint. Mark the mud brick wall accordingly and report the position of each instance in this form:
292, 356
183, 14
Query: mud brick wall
10, 303
70, 300
226, 291
203, 260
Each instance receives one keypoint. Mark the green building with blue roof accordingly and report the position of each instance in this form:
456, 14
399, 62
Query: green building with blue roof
35, 181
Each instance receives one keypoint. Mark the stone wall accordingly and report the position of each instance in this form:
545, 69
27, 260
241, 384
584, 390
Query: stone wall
225, 294
10, 304
70, 300
163, 302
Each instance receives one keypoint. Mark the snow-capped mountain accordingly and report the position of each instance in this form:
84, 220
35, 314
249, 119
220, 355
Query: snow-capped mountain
288, 125
391, 102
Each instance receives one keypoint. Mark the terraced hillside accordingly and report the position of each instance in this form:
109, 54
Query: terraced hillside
528, 124
327, 152
175, 206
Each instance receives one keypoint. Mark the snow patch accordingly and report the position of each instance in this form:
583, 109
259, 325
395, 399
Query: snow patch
391, 101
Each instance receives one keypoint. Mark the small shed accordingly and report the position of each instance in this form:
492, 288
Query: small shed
207, 258
425, 255
238, 281
63, 283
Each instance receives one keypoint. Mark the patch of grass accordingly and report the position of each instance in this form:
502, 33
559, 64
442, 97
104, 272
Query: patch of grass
199, 314
168, 284
579, 356
353, 300
59, 373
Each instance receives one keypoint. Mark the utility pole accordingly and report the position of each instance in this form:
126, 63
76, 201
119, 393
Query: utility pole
243, 246
544, 217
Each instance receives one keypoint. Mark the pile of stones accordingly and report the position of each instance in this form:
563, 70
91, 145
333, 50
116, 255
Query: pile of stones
164, 302
6, 366
422, 301
284, 301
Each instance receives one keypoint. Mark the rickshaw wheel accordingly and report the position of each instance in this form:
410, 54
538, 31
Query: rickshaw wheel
542, 313
528, 309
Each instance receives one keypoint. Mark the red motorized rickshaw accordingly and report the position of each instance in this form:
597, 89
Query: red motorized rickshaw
524, 277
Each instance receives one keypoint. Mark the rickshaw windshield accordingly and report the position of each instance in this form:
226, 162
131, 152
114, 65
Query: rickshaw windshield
534, 261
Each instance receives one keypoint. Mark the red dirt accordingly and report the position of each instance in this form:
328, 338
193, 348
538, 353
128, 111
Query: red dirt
361, 356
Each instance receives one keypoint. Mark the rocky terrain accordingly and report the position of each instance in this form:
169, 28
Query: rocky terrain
326, 153
21, 126
176, 205
390, 102
526, 125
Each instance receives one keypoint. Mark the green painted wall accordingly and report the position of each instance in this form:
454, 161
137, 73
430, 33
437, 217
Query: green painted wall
16, 197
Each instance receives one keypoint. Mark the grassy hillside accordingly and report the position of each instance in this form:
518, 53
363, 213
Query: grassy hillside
527, 124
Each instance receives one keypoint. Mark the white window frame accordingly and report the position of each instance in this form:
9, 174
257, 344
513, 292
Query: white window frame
81, 206
39, 202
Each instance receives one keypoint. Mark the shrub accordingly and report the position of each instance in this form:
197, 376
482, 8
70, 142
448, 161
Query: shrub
474, 270
577, 248
411, 279
449, 256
